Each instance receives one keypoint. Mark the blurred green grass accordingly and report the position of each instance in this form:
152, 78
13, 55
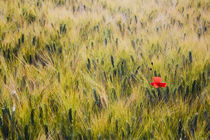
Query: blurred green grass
79, 69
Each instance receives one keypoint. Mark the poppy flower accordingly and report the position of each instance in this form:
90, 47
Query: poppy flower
157, 82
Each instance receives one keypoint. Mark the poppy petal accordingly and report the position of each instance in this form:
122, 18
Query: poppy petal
157, 79
156, 85
152, 84
163, 84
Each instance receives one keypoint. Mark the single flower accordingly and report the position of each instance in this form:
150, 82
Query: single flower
157, 82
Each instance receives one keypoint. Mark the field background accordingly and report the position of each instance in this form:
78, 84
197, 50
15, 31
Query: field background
81, 69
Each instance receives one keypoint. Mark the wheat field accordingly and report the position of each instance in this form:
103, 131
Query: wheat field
81, 69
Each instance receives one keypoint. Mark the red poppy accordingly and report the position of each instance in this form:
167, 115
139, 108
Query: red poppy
157, 82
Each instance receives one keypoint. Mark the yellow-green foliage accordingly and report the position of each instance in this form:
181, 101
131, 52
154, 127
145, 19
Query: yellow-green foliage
81, 69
